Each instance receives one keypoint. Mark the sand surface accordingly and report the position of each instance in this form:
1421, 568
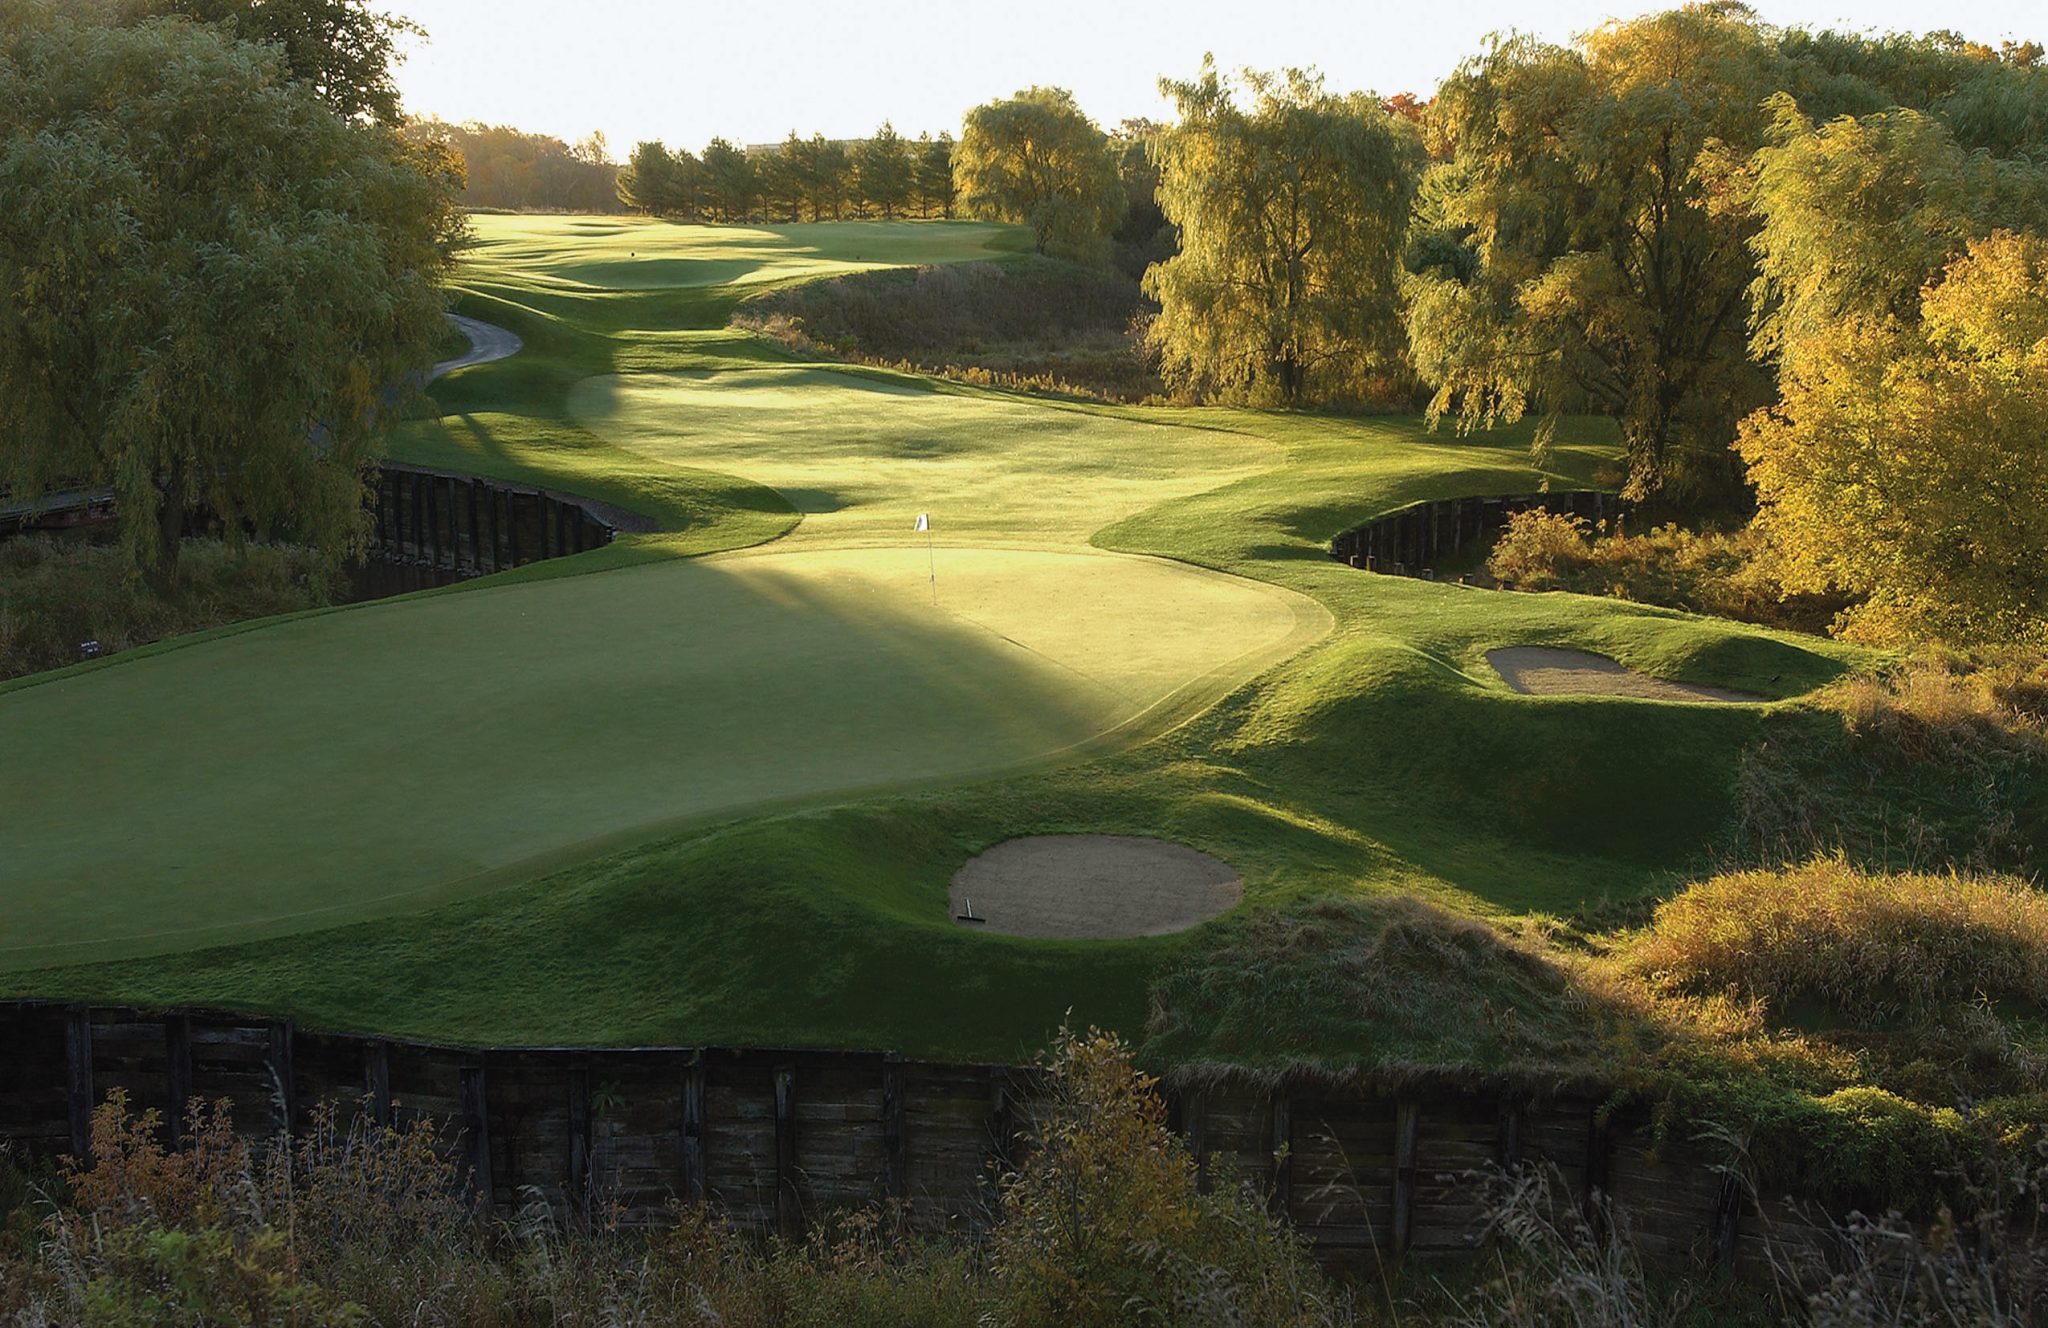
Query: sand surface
1546, 671
1093, 886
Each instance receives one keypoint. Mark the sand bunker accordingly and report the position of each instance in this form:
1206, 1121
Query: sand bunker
1092, 885
1544, 671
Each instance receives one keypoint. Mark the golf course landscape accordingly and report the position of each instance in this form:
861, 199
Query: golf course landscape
709, 784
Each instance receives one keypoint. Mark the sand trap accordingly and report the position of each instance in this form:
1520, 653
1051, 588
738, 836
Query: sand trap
1544, 671
1092, 885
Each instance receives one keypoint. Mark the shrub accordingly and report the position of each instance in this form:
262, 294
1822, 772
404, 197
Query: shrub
1731, 574
1034, 325
1104, 1224
56, 594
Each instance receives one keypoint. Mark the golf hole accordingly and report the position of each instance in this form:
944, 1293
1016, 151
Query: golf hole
1097, 886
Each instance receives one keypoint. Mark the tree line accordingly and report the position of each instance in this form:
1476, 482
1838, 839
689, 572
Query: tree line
508, 168
1802, 270
800, 179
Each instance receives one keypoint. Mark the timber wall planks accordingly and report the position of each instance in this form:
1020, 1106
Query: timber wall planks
777, 1138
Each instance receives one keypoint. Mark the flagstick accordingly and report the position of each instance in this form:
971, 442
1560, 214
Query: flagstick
932, 560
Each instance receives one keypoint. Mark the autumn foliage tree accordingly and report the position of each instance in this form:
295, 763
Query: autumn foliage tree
1292, 213
217, 286
1900, 292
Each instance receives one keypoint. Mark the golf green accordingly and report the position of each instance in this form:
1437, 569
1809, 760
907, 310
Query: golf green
348, 763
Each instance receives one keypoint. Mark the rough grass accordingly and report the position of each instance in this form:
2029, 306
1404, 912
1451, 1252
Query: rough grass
1385, 991
56, 594
1028, 323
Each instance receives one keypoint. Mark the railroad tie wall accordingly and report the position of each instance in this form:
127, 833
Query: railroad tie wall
1416, 540
469, 525
774, 1138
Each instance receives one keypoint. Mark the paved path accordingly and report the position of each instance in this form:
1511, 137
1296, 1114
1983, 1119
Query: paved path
487, 342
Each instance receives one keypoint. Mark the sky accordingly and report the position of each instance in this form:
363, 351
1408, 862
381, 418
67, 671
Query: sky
686, 70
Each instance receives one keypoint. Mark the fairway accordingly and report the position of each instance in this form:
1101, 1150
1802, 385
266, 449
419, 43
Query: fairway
317, 769
860, 454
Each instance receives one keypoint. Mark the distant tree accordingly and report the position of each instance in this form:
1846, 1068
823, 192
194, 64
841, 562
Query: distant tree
1597, 189
345, 50
831, 178
657, 181
780, 170
1406, 105
887, 173
225, 329
730, 187
934, 175
1037, 159
1904, 461
1144, 236
507, 168
1292, 213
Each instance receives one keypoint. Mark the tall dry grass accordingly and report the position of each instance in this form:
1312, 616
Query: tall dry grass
1877, 944
1941, 760
1032, 325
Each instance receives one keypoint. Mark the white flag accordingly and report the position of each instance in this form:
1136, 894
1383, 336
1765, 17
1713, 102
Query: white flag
924, 521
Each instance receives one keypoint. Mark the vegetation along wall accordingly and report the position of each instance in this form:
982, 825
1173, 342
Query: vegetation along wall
775, 1138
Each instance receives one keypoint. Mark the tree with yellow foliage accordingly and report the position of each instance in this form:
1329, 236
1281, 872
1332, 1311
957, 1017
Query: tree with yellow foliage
1908, 462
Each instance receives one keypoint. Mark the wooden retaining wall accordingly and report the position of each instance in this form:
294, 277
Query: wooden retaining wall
773, 1138
1415, 540
434, 520
441, 521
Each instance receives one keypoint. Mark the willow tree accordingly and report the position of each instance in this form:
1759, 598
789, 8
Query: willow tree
1292, 212
1597, 189
1037, 159
216, 286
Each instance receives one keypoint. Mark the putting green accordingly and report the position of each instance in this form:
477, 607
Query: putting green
348, 763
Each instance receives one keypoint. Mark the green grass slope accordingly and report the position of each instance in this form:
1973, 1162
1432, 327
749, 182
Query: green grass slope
1352, 746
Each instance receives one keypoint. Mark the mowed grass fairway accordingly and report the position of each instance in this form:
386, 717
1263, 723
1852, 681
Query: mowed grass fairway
709, 784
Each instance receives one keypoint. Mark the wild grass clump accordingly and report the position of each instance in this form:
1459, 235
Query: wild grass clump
1032, 324
57, 594
1725, 574
1881, 945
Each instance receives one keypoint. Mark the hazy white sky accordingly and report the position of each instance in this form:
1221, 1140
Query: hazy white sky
686, 70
